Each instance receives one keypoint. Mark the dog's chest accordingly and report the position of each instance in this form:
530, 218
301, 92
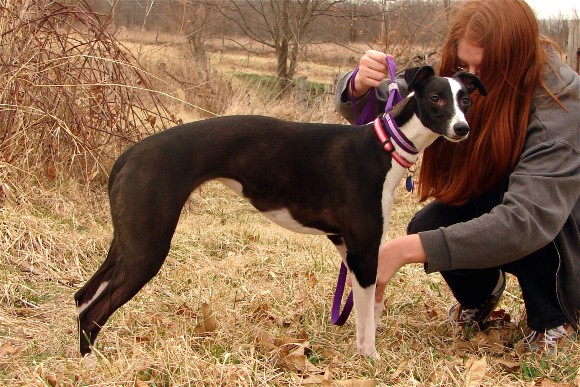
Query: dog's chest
392, 180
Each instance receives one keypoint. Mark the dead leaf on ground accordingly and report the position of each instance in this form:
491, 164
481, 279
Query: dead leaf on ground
322, 380
143, 339
264, 340
499, 317
311, 279
50, 379
185, 310
299, 362
262, 313
400, 369
549, 383
438, 376
293, 355
7, 349
356, 383
492, 341
508, 365
209, 322
318, 380
51, 172
292, 341
431, 309
475, 372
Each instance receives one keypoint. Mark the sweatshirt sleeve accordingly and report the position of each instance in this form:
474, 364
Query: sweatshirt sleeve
343, 104
542, 192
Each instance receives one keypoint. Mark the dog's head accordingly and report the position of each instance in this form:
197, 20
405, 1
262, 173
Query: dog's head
443, 103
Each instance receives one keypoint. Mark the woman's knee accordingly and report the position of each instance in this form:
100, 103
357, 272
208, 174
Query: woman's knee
437, 214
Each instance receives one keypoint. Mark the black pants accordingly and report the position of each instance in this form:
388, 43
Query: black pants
536, 272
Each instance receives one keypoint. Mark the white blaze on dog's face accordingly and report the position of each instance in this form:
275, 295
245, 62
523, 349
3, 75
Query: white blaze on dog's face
458, 127
444, 103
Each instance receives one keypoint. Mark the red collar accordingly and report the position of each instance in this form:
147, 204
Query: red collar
388, 145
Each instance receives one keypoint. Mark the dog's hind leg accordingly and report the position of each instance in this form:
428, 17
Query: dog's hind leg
90, 293
142, 237
118, 280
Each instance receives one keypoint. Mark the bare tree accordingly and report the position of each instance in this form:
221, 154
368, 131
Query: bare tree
193, 20
556, 28
447, 7
280, 24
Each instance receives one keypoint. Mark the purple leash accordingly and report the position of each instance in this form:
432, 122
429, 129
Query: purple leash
337, 317
368, 114
394, 94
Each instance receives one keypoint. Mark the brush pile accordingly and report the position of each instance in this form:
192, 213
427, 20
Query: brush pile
71, 97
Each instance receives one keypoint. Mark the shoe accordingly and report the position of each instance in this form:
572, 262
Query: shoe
546, 341
467, 318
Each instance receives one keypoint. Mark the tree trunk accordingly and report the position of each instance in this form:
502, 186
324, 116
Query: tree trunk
283, 47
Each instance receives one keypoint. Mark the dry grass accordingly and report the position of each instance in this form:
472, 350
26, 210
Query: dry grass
269, 292
259, 281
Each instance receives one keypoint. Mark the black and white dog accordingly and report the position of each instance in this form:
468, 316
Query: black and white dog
329, 179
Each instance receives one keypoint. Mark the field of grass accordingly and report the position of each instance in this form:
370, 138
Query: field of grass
239, 301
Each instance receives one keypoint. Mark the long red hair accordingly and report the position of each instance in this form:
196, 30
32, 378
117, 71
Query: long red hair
511, 69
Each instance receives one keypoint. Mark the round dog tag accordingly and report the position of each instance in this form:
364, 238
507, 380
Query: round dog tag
409, 184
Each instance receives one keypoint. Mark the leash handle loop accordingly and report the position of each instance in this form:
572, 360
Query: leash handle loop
394, 94
369, 112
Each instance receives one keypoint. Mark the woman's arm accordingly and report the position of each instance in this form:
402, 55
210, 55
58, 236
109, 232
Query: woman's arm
371, 73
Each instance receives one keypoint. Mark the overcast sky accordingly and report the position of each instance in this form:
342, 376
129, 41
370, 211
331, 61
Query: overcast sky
552, 8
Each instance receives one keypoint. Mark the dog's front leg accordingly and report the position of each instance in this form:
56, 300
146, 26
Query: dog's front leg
365, 308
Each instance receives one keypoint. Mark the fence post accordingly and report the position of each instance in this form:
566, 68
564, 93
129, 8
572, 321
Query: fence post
573, 48
302, 88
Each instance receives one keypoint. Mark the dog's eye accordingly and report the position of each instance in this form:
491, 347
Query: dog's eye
435, 98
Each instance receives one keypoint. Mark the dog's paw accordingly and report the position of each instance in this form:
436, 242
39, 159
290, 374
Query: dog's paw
370, 353
375, 356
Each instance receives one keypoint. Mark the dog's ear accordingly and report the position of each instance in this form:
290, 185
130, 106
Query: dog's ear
471, 82
417, 76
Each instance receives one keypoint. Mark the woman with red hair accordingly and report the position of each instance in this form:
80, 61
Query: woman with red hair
506, 200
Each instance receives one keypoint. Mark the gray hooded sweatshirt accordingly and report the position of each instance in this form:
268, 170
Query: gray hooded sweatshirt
541, 204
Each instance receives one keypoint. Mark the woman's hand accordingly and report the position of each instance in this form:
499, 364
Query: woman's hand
372, 69
393, 255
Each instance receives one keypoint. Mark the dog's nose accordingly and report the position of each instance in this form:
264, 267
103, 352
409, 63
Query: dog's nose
461, 129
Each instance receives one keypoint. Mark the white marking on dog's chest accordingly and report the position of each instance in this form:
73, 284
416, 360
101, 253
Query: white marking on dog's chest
392, 180
420, 136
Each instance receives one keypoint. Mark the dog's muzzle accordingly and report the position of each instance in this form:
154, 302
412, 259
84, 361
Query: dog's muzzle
461, 129
460, 132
